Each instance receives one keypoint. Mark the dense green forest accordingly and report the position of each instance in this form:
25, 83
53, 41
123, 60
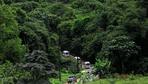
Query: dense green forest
33, 34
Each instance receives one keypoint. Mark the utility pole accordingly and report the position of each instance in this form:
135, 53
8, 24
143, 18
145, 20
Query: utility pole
59, 65
77, 66
60, 69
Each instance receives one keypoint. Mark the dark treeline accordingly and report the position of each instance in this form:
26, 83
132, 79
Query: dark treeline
34, 32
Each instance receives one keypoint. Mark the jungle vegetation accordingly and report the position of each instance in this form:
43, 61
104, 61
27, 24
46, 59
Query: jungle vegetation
33, 34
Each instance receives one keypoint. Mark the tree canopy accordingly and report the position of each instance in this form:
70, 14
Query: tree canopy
96, 30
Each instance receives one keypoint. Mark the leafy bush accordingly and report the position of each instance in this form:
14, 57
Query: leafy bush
10, 44
102, 64
62, 11
102, 67
69, 63
38, 65
86, 5
120, 50
27, 6
10, 74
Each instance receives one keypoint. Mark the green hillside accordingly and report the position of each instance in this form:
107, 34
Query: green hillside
111, 34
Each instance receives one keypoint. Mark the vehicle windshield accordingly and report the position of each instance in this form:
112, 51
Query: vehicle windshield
87, 64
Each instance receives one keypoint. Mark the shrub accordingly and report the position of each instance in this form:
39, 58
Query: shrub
10, 74
38, 65
69, 63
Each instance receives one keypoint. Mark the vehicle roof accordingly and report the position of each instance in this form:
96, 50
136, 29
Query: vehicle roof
87, 62
65, 51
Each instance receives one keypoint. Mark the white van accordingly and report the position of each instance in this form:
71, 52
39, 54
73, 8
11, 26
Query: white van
66, 53
87, 65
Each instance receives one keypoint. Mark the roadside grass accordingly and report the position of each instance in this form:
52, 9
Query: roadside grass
132, 80
64, 77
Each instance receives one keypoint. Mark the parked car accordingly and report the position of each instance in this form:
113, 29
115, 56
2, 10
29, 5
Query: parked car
66, 53
72, 79
87, 65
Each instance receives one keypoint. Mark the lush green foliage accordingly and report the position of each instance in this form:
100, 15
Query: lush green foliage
69, 64
134, 80
101, 31
103, 65
37, 63
9, 74
10, 43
